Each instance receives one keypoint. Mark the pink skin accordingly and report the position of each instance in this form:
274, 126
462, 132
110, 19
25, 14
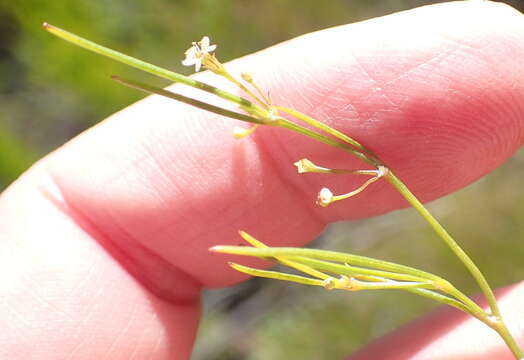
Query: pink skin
104, 242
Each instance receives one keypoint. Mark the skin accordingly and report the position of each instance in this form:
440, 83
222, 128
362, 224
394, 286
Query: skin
103, 249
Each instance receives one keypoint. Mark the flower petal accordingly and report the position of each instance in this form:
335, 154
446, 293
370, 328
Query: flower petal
198, 64
204, 43
189, 61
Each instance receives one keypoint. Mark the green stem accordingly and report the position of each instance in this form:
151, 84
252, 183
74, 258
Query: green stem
326, 140
385, 285
295, 265
437, 282
452, 244
267, 99
149, 68
320, 125
218, 110
276, 275
430, 294
351, 259
498, 323
328, 129
245, 89
367, 266
170, 75
503, 331
350, 270
193, 102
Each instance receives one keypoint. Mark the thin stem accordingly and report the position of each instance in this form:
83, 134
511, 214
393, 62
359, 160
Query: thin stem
503, 331
398, 285
329, 141
498, 323
311, 266
230, 77
356, 191
285, 261
199, 104
346, 269
328, 129
265, 97
324, 255
446, 287
149, 68
430, 294
170, 75
276, 275
452, 244
218, 110
367, 266
306, 166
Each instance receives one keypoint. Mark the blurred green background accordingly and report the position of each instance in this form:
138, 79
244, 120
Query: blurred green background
50, 91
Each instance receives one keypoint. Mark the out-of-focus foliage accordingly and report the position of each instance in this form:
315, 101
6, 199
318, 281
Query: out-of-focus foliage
14, 156
50, 91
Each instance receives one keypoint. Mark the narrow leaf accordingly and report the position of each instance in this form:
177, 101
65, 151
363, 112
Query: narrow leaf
199, 104
276, 275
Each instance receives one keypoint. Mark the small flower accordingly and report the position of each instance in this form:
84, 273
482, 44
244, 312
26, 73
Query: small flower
196, 53
304, 166
325, 197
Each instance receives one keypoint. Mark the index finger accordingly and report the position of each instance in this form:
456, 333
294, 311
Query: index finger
439, 105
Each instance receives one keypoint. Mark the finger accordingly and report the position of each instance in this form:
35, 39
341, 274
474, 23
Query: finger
441, 105
448, 334
63, 297
158, 183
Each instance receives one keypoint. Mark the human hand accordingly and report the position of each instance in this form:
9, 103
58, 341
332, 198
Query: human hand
104, 242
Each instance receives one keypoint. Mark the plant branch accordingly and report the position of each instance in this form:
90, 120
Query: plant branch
495, 321
377, 273
190, 101
149, 68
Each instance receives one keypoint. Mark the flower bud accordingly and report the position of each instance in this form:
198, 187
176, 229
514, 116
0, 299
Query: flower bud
304, 166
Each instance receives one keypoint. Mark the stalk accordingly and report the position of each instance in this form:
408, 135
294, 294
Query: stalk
497, 323
149, 68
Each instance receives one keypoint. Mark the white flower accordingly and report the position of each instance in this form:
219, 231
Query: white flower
304, 166
196, 53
